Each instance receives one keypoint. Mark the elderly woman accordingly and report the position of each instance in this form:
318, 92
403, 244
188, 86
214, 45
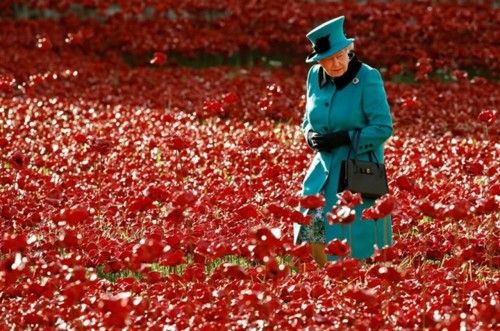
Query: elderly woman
343, 95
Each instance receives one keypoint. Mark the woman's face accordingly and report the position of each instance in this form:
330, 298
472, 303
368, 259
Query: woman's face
336, 64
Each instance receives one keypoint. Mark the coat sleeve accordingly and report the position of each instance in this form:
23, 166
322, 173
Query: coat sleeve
306, 126
378, 115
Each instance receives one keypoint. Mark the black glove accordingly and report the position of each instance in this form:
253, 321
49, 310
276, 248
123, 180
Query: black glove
327, 141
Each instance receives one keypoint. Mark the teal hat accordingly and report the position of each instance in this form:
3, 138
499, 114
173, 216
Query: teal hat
327, 39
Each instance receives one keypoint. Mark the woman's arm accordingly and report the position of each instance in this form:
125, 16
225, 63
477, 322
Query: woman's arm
377, 112
306, 126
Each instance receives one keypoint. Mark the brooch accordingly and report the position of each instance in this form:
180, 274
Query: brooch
355, 80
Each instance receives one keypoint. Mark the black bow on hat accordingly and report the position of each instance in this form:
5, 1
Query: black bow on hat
322, 44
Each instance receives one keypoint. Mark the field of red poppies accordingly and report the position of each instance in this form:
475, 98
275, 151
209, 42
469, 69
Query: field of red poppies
152, 158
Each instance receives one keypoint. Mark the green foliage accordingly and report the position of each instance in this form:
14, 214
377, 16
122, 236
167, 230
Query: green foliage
425, 220
114, 276
404, 78
241, 59
179, 269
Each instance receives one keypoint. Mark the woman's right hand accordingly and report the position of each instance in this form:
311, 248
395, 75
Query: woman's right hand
327, 141
311, 139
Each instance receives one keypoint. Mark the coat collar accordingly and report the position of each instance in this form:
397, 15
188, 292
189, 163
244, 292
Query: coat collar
342, 81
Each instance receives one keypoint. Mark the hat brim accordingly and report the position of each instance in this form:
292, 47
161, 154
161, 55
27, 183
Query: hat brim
314, 57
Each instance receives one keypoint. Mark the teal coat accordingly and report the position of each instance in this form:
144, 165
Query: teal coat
362, 103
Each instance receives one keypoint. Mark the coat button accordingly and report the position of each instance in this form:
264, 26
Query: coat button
326, 104
355, 80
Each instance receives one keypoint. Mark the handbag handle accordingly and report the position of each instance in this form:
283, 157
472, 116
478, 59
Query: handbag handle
355, 145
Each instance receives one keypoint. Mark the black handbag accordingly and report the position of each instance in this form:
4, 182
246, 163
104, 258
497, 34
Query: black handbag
365, 177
